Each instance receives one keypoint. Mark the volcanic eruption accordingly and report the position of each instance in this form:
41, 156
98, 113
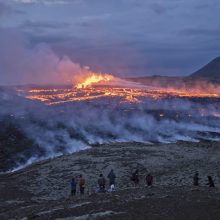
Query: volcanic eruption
82, 108
93, 79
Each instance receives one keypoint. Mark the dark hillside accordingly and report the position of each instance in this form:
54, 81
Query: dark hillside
209, 72
15, 146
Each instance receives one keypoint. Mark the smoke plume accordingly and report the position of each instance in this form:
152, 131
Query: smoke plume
23, 63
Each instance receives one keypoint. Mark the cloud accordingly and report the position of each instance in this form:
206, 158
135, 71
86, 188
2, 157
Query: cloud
119, 35
4, 9
41, 26
204, 5
7, 9
158, 9
201, 31
46, 2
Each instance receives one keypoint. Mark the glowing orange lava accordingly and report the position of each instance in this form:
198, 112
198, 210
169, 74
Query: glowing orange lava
131, 95
94, 79
95, 86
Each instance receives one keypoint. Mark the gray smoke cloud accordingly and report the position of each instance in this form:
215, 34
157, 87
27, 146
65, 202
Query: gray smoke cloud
22, 63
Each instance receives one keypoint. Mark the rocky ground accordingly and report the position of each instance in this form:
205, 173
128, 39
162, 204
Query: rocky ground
42, 191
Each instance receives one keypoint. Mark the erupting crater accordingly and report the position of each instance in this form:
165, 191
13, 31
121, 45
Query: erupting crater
94, 79
94, 86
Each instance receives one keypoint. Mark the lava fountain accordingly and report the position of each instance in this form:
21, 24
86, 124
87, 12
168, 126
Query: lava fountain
94, 79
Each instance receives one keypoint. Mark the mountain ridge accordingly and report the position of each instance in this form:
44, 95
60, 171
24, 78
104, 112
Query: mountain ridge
209, 73
210, 70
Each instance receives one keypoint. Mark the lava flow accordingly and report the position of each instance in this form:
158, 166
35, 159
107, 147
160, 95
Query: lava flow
98, 86
103, 109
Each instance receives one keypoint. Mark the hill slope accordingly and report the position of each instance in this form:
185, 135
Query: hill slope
42, 191
210, 71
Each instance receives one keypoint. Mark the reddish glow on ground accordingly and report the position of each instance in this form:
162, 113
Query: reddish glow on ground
132, 95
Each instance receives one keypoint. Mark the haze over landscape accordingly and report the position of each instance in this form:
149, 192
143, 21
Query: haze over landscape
87, 86
49, 41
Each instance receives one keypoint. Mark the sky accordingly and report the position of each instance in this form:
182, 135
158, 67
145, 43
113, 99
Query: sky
123, 37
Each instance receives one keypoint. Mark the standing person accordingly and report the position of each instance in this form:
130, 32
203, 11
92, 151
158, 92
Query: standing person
196, 179
73, 186
210, 182
81, 184
149, 180
135, 177
101, 183
111, 176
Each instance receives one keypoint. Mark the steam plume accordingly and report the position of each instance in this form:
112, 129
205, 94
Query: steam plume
22, 63
74, 126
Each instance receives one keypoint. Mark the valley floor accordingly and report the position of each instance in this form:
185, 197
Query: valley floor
42, 191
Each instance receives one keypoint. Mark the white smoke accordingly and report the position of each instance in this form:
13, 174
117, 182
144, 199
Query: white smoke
22, 63
74, 126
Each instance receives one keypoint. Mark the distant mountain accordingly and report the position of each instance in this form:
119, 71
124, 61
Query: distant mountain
208, 73
211, 71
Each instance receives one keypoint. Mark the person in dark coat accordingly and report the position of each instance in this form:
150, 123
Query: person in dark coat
149, 180
135, 177
196, 179
73, 186
101, 183
111, 176
210, 182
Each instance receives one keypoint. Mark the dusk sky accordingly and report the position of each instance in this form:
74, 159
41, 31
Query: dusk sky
124, 37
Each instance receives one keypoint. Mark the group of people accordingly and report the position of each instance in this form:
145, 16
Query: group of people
135, 178
101, 183
196, 180
111, 182
80, 181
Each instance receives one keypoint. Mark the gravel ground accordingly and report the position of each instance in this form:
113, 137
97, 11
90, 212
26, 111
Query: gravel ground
42, 190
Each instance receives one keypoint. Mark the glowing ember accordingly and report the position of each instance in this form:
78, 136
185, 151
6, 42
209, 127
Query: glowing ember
94, 79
